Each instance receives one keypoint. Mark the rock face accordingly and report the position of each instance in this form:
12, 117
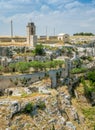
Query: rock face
39, 110
93, 98
2, 92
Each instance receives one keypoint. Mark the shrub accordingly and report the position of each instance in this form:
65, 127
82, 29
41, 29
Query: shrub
91, 76
28, 108
39, 50
78, 70
88, 88
41, 105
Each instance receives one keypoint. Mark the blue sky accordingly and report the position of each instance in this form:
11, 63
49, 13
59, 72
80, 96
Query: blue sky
63, 16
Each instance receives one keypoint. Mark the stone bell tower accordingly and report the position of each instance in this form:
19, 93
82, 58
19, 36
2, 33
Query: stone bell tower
31, 34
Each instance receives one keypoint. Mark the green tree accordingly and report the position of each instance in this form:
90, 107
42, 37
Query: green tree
83, 34
39, 50
35, 65
22, 66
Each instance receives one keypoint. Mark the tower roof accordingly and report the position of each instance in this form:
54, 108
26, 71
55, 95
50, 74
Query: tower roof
30, 24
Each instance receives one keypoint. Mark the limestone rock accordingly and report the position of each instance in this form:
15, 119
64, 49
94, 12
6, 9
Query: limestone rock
70, 126
43, 110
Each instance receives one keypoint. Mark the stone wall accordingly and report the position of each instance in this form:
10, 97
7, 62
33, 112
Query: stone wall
34, 77
16, 39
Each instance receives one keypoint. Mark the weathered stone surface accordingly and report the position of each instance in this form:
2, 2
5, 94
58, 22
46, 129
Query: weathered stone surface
14, 108
58, 111
70, 125
1, 92
93, 98
75, 114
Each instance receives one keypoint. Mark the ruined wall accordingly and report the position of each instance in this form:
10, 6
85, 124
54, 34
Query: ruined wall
16, 39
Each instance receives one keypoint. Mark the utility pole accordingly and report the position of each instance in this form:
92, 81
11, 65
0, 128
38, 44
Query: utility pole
11, 30
46, 31
54, 31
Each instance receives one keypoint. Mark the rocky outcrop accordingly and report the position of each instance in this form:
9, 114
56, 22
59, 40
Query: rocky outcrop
39, 111
93, 98
42, 86
2, 91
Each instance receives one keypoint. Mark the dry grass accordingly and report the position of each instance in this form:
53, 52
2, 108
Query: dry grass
13, 44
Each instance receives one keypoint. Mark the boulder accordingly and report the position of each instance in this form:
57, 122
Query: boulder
70, 125
15, 108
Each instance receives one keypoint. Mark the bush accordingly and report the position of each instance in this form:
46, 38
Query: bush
91, 76
41, 105
28, 108
78, 70
88, 88
39, 50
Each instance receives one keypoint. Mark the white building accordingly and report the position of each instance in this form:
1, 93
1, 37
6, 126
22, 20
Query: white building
64, 37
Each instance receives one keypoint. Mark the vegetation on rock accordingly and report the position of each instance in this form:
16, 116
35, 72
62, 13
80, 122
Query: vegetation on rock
28, 108
36, 65
78, 70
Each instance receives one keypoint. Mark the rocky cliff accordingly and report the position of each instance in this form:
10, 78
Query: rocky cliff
38, 107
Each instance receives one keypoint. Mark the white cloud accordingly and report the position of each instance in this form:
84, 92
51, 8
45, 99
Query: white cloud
74, 4
45, 9
68, 16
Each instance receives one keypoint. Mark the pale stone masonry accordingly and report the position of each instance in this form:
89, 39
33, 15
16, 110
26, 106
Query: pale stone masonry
64, 37
31, 34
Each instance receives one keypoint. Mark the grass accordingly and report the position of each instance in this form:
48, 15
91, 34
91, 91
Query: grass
13, 44
78, 70
84, 108
23, 95
89, 114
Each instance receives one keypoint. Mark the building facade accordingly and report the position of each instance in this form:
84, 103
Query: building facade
31, 34
64, 37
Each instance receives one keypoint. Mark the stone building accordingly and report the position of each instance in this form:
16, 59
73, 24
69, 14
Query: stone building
31, 34
64, 37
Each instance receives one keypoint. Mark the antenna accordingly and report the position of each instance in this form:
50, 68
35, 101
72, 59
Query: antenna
11, 29
46, 30
54, 31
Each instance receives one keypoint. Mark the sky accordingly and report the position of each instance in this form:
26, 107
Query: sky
55, 16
